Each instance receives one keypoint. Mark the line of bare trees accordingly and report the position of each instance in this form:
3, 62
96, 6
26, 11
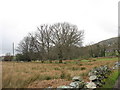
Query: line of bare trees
58, 41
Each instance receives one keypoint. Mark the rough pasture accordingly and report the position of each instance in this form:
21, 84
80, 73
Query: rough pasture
43, 75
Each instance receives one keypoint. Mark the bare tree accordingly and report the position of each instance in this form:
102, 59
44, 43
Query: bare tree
58, 41
43, 35
24, 47
65, 35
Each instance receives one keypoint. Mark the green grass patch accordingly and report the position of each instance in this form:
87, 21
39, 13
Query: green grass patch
85, 60
104, 59
101, 59
110, 81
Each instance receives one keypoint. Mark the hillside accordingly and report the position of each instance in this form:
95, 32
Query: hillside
108, 47
109, 42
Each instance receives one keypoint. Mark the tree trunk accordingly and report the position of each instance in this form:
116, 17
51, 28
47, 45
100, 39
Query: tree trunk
60, 61
50, 61
42, 61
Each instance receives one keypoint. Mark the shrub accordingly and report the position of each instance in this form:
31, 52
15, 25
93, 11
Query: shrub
21, 57
64, 62
48, 78
94, 60
8, 58
62, 76
83, 68
80, 64
75, 68
56, 68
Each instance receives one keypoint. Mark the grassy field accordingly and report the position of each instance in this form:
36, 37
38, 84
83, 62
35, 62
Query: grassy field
43, 75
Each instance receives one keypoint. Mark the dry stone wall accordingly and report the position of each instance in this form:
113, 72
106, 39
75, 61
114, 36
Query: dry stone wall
96, 76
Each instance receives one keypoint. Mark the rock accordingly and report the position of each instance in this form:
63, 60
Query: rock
117, 63
74, 84
77, 78
96, 76
49, 87
91, 85
93, 72
64, 86
77, 84
113, 67
93, 78
90, 74
98, 83
81, 84
116, 66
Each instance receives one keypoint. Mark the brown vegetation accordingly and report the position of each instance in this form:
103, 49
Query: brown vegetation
35, 74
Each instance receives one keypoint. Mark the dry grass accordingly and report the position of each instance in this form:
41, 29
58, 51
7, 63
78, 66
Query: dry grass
49, 83
27, 74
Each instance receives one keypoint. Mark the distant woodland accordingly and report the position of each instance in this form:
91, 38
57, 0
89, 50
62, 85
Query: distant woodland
62, 41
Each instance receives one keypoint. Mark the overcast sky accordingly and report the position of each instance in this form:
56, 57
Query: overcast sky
98, 18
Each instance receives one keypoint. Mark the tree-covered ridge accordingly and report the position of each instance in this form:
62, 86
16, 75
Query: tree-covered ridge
62, 41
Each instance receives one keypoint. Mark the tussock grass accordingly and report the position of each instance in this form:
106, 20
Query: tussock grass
65, 75
22, 74
83, 68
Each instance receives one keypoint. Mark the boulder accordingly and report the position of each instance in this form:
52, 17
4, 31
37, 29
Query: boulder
64, 87
91, 85
117, 63
93, 72
77, 84
74, 84
98, 83
90, 74
94, 77
116, 66
77, 78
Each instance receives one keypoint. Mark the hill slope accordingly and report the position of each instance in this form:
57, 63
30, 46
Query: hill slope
109, 42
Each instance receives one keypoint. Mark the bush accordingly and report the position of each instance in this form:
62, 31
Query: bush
80, 64
83, 68
8, 58
62, 76
56, 68
21, 57
64, 62
48, 78
75, 68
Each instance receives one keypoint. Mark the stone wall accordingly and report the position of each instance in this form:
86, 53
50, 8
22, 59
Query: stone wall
96, 76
